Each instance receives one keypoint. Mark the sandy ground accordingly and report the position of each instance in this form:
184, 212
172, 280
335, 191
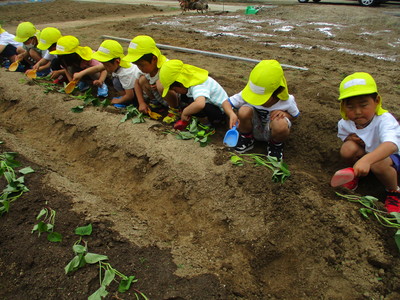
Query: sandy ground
260, 239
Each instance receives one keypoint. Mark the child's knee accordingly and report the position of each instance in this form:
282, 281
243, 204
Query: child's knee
280, 126
351, 150
245, 113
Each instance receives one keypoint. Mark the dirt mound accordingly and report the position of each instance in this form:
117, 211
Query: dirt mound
182, 218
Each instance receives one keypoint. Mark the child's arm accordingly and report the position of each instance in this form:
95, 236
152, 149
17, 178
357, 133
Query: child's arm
92, 70
195, 107
143, 107
129, 94
42, 64
363, 165
227, 107
102, 78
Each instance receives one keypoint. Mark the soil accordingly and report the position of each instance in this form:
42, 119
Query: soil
181, 218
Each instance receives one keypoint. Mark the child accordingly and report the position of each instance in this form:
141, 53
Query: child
8, 47
124, 74
79, 65
207, 94
47, 42
265, 109
144, 53
28, 35
370, 135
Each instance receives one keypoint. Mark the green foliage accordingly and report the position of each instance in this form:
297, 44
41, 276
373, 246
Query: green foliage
370, 208
195, 130
280, 170
15, 185
132, 113
107, 274
89, 99
48, 216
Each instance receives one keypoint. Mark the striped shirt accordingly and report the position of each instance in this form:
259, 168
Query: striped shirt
211, 90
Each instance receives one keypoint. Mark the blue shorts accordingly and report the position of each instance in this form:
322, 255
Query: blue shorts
396, 161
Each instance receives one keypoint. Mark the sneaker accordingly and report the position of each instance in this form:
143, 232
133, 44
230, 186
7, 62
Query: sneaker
352, 185
173, 116
102, 91
275, 150
244, 144
83, 86
392, 202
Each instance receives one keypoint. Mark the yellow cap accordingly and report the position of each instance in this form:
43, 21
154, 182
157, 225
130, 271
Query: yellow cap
25, 30
1, 29
175, 70
48, 37
141, 45
108, 50
357, 84
265, 78
69, 44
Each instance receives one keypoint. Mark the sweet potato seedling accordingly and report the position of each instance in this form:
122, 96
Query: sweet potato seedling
132, 113
15, 185
107, 274
279, 168
195, 130
370, 208
48, 216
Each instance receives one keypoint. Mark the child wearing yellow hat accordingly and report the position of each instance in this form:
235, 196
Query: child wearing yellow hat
370, 135
49, 62
143, 52
79, 65
124, 74
207, 94
8, 47
27, 34
265, 109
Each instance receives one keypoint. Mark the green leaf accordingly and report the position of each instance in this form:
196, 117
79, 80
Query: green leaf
101, 292
108, 277
236, 160
72, 265
27, 170
125, 284
78, 109
365, 211
397, 239
78, 249
92, 258
84, 230
42, 212
396, 215
54, 237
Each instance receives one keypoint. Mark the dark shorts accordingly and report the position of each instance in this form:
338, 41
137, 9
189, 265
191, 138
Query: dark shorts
396, 161
9, 51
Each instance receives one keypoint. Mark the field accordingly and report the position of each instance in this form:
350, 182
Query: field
181, 218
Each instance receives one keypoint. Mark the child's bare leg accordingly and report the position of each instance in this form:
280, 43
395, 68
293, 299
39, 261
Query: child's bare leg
171, 98
385, 173
245, 115
351, 152
34, 55
279, 130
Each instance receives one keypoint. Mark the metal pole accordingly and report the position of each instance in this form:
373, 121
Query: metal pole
188, 50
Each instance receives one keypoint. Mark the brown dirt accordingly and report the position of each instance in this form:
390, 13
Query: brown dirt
181, 218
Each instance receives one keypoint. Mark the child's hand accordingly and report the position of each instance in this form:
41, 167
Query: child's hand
361, 168
185, 117
143, 107
278, 114
98, 82
153, 87
233, 120
77, 76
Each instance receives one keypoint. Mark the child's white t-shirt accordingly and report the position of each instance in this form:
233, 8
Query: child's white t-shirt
211, 90
289, 105
127, 76
49, 57
383, 128
8, 39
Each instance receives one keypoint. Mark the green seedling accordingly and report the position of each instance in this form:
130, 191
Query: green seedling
48, 86
15, 185
89, 99
48, 216
371, 209
280, 170
107, 274
132, 113
195, 130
